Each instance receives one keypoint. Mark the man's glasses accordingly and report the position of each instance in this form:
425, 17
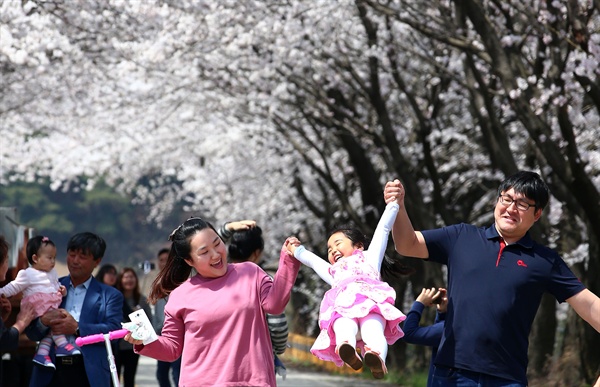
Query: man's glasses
506, 201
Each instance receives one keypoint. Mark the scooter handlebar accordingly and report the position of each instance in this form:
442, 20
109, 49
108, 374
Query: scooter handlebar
91, 339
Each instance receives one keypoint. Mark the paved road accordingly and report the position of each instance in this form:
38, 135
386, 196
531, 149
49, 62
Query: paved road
147, 368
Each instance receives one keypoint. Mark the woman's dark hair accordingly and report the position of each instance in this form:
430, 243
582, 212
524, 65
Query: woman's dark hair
3, 249
176, 270
107, 268
529, 184
136, 291
244, 243
34, 245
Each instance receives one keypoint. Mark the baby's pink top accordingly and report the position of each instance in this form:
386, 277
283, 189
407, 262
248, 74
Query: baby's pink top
219, 324
31, 281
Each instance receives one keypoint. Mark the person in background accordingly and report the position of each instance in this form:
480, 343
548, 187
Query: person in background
107, 274
90, 307
429, 335
502, 263
164, 368
9, 337
248, 245
215, 320
126, 359
40, 287
358, 310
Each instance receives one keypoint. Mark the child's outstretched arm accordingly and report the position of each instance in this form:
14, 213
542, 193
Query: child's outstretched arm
311, 260
17, 285
379, 242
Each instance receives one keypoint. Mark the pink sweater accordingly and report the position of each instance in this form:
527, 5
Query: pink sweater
219, 325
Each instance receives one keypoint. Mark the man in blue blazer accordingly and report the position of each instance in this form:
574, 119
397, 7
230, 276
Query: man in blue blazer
89, 307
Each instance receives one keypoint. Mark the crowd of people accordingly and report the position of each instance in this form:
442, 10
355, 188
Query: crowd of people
220, 319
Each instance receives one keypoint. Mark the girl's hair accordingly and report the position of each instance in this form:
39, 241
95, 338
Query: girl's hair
34, 245
119, 285
352, 233
105, 269
176, 270
3, 249
244, 243
390, 268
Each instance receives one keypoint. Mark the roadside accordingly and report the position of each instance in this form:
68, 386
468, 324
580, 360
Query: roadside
296, 377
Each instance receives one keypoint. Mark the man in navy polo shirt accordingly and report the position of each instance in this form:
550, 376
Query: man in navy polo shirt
496, 278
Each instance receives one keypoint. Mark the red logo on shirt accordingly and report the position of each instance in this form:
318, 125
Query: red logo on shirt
521, 263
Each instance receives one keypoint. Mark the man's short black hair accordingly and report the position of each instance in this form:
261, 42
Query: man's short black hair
88, 243
529, 184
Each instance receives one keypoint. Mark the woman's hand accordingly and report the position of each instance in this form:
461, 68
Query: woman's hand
5, 307
131, 340
291, 244
25, 317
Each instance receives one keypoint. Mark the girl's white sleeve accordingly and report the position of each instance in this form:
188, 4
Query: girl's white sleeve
315, 262
17, 285
376, 250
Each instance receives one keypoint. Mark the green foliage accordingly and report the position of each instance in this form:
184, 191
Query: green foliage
417, 379
130, 239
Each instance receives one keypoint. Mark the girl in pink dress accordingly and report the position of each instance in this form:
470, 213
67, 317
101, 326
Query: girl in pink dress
40, 287
359, 308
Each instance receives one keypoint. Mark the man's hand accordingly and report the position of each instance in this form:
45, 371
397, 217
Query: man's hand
60, 322
394, 192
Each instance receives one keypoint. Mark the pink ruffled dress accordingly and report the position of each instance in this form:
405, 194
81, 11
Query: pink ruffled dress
356, 292
43, 302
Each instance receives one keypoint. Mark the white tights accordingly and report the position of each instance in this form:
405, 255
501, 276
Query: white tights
371, 331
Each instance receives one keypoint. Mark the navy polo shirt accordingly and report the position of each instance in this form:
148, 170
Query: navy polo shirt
494, 296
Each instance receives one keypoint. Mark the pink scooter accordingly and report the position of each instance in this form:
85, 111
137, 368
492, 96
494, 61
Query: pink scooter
140, 328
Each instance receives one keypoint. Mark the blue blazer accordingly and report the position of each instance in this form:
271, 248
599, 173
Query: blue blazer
102, 312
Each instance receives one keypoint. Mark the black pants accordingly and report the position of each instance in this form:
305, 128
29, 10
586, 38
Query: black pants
127, 362
70, 371
16, 371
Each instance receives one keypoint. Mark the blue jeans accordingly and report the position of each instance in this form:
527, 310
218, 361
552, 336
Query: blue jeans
162, 372
455, 377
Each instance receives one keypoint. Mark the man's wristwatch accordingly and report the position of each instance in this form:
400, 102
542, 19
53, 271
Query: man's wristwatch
77, 332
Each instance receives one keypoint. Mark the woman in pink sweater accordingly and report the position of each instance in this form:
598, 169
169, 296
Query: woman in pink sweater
215, 319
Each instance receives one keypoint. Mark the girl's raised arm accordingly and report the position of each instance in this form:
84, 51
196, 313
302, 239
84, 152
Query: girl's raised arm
379, 242
319, 265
